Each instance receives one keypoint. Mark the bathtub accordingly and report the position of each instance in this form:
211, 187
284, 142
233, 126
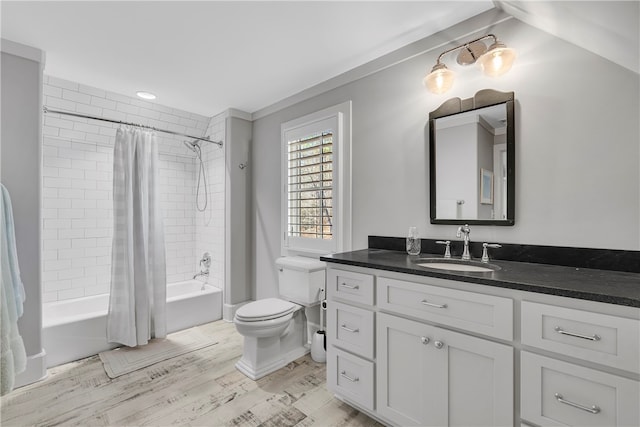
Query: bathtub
76, 328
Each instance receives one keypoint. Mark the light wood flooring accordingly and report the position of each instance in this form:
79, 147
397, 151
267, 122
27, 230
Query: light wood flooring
201, 388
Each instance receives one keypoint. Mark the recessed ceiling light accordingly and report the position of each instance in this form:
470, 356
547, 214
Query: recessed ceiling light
146, 95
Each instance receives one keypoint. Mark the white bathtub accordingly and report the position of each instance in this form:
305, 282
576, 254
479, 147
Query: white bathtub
75, 329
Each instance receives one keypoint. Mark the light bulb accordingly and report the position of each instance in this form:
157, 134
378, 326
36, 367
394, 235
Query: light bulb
497, 60
439, 80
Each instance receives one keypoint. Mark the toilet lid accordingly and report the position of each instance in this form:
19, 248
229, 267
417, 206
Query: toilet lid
265, 309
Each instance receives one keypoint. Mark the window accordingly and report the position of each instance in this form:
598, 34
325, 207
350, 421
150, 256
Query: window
316, 182
309, 187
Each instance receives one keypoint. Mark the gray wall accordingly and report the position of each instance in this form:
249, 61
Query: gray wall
237, 204
577, 148
20, 170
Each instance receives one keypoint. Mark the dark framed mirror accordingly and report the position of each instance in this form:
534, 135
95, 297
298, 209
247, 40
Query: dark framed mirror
472, 160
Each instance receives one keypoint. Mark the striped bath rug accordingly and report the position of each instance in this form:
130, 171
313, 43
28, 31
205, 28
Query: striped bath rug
124, 360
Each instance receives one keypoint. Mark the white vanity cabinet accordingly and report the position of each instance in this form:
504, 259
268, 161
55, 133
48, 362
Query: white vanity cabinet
559, 393
350, 336
420, 373
418, 350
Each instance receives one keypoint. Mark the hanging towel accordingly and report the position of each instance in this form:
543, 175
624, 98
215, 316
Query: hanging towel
137, 302
13, 357
12, 252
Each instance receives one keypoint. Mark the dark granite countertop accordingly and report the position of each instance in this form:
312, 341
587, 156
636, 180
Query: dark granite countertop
613, 287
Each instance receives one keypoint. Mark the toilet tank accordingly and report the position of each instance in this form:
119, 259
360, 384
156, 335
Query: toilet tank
300, 279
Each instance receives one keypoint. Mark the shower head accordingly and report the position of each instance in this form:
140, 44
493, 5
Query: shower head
191, 145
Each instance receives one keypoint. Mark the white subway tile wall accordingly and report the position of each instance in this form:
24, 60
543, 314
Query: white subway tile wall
77, 169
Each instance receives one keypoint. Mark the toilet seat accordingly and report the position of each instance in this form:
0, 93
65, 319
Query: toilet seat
265, 309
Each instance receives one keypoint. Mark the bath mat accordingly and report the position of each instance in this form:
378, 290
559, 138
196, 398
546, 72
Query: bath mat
124, 360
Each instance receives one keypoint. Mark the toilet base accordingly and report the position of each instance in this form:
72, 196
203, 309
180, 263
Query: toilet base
256, 372
263, 355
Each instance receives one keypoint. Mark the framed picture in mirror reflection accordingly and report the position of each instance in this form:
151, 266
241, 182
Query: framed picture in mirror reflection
486, 187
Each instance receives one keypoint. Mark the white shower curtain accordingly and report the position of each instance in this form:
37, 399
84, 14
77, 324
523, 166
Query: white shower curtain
137, 304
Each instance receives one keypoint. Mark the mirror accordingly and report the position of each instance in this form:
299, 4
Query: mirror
472, 160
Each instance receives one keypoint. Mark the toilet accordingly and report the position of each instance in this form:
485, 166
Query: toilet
275, 329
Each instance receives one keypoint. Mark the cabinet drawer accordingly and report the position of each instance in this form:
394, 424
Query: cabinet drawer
351, 377
599, 338
350, 286
350, 328
556, 393
485, 314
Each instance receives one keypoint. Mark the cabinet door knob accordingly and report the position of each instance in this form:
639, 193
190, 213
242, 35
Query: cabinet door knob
438, 344
425, 340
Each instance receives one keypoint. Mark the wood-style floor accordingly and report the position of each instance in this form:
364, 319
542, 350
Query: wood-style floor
201, 388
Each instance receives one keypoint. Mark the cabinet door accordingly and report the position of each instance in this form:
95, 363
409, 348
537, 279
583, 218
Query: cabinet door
433, 377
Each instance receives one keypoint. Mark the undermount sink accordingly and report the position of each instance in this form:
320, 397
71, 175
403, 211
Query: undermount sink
457, 265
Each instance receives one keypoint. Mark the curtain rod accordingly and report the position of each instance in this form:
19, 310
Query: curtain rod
84, 116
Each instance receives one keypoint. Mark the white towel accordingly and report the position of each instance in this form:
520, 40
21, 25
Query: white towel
13, 357
8, 231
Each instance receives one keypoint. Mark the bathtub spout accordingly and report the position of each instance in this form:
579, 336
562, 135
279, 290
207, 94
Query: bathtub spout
202, 273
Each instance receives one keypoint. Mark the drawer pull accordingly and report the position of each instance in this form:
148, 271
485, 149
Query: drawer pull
593, 409
594, 337
425, 340
344, 285
430, 304
348, 329
353, 380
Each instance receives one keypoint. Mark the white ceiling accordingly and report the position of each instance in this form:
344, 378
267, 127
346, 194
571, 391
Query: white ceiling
207, 56
610, 29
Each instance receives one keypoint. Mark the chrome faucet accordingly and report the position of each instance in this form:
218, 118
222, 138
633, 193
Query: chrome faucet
202, 273
485, 252
464, 229
205, 263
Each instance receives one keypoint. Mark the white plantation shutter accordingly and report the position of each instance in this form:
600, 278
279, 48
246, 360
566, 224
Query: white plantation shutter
316, 181
310, 186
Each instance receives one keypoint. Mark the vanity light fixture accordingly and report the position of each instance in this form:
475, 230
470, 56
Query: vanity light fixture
145, 95
494, 61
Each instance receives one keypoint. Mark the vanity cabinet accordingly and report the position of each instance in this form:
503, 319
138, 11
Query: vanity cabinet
419, 350
430, 376
413, 371
350, 336
559, 393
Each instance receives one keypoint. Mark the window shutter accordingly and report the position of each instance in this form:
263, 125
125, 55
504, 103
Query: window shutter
310, 187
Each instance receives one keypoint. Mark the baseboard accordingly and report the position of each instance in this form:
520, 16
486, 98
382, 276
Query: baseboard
36, 370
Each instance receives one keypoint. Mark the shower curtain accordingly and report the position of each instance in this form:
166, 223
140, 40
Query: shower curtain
137, 303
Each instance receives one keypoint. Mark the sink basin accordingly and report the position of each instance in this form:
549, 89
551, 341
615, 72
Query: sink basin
457, 265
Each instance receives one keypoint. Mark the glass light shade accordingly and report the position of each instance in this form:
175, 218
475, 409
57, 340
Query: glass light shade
497, 60
440, 79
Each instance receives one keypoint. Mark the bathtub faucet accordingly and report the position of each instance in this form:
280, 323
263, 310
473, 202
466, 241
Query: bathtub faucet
205, 263
202, 273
